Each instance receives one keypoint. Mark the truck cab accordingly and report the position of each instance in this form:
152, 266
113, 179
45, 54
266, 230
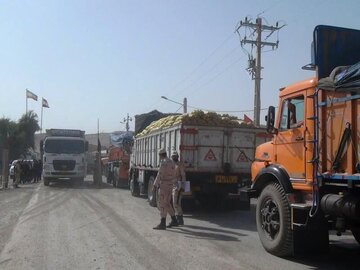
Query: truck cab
63, 154
307, 180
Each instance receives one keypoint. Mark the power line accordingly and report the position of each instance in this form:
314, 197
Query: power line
217, 75
197, 67
211, 69
203, 61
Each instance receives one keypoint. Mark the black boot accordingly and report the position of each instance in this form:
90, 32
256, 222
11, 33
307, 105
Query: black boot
173, 222
180, 220
162, 225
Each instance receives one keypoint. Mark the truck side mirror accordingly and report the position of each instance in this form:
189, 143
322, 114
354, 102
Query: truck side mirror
270, 120
86, 146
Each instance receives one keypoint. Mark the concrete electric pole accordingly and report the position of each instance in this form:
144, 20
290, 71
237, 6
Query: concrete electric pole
255, 64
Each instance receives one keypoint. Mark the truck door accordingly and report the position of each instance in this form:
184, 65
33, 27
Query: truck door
289, 143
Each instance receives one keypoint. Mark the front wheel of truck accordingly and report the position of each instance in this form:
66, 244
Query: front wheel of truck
273, 220
46, 181
134, 185
356, 233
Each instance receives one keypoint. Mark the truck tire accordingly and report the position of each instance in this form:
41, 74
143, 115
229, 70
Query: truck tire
356, 233
80, 180
46, 181
150, 193
273, 221
134, 187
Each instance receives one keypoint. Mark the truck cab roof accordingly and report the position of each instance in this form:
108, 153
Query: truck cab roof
298, 86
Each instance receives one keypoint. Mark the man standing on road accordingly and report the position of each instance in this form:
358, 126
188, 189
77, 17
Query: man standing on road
177, 189
164, 181
18, 173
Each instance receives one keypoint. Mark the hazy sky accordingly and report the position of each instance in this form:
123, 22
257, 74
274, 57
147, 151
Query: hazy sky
103, 59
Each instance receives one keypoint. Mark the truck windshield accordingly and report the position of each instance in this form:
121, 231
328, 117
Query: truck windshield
64, 146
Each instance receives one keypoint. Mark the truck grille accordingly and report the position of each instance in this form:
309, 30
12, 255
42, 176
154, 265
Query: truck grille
64, 165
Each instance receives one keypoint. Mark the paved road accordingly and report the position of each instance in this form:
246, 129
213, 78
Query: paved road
66, 226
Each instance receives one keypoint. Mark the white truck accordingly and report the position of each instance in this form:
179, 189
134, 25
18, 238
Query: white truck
217, 156
64, 155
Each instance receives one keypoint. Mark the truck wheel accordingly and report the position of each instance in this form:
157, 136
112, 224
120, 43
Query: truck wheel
356, 233
46, 181
134, 187
150, 193
273, 221
80, 181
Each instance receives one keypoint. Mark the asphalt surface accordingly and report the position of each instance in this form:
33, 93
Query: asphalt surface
66, 226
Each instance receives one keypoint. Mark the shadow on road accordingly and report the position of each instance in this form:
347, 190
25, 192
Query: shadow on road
87, 184
232, 219
208, 233
342, 255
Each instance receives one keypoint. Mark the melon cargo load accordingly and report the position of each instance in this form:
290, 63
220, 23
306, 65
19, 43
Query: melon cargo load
216, 151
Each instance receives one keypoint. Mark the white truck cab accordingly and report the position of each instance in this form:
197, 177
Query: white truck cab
64, 155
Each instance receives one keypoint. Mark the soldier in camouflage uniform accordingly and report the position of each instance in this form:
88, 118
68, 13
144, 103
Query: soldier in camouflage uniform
164, 181
177, 189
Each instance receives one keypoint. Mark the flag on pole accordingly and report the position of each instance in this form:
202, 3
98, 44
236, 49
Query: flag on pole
45, 103
247, 119
31, 95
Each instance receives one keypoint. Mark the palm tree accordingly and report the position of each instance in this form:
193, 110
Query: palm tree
27, 126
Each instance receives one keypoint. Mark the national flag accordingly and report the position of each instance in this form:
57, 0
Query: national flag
45, 103
247, 119
31, 95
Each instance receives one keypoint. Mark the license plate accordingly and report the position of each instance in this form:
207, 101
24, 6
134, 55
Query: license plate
226, 179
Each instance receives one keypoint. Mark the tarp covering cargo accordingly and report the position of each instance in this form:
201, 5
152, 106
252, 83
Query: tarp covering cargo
198, 118
344, 78
334, 47
124, 140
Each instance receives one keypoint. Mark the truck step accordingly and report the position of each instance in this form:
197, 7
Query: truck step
300, 206
313, 118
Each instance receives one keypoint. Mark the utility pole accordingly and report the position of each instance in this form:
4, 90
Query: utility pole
126, 121
185, 105
254, 67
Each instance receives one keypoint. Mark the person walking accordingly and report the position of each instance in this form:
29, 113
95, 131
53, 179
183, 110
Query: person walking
164, 182
178, 187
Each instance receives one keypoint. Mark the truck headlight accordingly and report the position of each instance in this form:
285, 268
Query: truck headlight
47, 167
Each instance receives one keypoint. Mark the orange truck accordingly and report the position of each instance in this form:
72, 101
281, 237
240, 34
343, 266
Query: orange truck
307, 179
118, 166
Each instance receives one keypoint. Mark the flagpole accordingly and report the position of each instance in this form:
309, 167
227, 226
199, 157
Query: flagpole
98, 129
42, 108
26, 101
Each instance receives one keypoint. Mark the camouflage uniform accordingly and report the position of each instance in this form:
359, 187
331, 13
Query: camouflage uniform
177, 190
165, 181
